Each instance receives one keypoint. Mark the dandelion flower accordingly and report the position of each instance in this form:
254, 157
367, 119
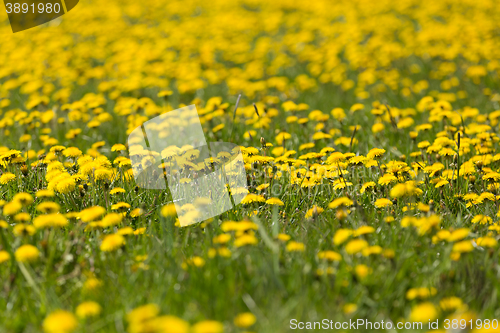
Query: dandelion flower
171, 324
356, 246
45, 193
365, 229
458, 234
112, 242
92, 213
463, 246
424, 312
92, 283
116, 190
343, 201
72, 152
21, 230
111, 219
136, 212
4, 256
22, 217
250, 198
375, 153
23, 198
274, 201
48, 207
283, 237
245, 319
313, 212
293, 246
208, 326
349, 308
118, 147
168, 210
6, 178
66, 185
382, 202
362, 271
60, 321
12, 208
27, 253
50, 220
329, 255
88, 309
142, 314
341, 235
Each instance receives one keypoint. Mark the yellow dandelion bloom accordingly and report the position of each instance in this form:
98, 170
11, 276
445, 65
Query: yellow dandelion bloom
313, 212
343, 201
60, 321
375, 153
45, 194
6, 178
50, 220
458, 234
245, 319
424, 312
250, 198
27, 253
355, 246
283, 237
72, 152
168, 210
4, 256
12, 208
112, 242
463, 246
362, 271
382, 202
365, 229
24, 199
293, 246
88, 309
274, 201
169, 324
486, 241
92, 213
207, 326
329, 255
48, 207
341, 235
118, 147
245, 240
111, 219
21, 230
142, 314
117, 190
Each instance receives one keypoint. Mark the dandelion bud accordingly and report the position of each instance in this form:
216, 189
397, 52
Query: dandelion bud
263, 142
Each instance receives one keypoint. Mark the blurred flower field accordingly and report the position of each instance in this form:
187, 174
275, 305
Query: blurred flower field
369, 131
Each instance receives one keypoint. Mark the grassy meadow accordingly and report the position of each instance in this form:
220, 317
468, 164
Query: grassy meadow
369, 134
